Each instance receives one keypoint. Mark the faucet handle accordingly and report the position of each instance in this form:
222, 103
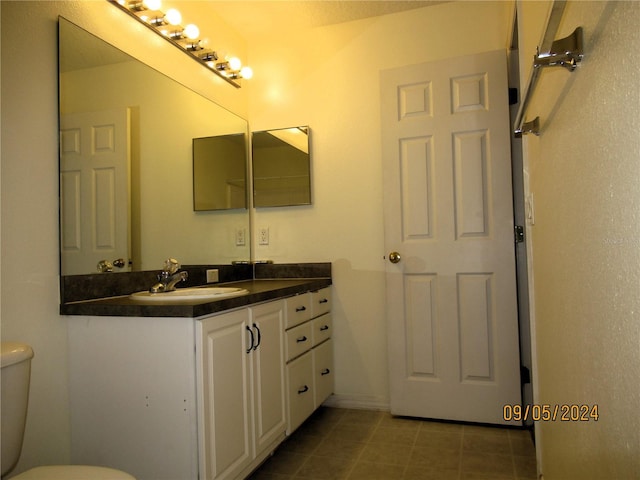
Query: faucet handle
171, 266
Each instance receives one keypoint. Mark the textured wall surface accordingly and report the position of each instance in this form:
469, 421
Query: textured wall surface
584, 172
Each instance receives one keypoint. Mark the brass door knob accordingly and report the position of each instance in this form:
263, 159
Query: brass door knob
394, 257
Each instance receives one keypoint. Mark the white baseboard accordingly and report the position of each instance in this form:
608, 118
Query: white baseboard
360, 402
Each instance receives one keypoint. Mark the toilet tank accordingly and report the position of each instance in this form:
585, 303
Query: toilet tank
16, 368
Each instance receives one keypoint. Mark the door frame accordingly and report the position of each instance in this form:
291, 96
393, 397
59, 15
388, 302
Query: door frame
523, 216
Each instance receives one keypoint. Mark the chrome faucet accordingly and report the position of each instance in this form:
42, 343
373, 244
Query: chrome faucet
169, 276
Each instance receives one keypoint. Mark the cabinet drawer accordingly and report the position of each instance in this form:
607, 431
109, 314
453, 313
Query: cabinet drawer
298, 309
299, 340
322, 327
322, 372
320, 301
300, 391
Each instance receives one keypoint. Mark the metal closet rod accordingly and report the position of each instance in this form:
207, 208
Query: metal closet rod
566, 52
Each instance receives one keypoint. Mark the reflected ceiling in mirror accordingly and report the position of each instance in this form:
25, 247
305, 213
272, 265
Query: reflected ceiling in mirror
144, 213
281, 167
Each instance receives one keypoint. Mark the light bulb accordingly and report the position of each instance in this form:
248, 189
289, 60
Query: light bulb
152, 4
191, 31
235, 63
173, 16
246, 72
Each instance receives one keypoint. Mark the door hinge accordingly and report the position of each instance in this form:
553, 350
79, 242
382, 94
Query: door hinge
519, 233
525, 375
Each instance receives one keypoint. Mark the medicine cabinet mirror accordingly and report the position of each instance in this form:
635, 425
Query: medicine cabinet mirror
219, 172
281, 167
130, 196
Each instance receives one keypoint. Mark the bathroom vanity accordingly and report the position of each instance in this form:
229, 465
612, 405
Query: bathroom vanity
198, 390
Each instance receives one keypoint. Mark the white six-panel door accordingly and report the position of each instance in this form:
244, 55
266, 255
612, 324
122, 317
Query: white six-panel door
451, 298
94, 189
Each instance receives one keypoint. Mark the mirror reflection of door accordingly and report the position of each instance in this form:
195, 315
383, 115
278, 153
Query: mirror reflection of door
281, 167
165, 116
219, 172
94, 189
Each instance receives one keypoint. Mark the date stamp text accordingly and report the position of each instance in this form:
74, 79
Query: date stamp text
551, 413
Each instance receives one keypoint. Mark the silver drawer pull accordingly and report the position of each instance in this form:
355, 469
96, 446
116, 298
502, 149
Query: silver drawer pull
301, 309
302, 339
326, 371
324, 327
303, 390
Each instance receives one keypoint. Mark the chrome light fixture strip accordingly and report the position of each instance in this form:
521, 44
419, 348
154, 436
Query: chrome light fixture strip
194, 54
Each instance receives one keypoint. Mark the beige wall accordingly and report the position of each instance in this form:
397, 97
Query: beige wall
584, 172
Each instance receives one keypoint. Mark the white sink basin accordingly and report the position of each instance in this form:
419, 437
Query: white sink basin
189, 294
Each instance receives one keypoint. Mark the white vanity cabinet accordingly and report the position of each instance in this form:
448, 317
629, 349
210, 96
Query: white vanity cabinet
240, 358
200, 398
132, 394
309, 355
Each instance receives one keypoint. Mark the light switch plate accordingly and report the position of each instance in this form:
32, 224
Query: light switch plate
240, 237
529, 210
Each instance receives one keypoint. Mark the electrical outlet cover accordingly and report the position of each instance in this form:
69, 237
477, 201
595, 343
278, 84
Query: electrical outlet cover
213, 276
263, 236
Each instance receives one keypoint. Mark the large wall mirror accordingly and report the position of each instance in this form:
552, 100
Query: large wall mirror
126, 169
281, 167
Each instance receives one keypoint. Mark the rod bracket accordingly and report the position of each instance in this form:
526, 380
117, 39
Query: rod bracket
565, 52
532, 126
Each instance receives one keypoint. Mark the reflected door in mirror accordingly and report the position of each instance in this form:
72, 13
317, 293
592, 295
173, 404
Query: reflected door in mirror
94, 189
165, 117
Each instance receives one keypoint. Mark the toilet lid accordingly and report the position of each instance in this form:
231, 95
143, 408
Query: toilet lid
73, 472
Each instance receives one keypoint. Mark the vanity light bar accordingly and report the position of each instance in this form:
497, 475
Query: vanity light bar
167, 25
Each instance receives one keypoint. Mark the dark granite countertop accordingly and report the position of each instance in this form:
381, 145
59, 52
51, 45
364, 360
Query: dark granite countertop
259, 291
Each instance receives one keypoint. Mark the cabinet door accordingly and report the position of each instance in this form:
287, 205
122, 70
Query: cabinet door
323, 371
267, 321
300, 390
226, 445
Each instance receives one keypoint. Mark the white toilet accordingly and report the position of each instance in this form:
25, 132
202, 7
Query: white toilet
16, 369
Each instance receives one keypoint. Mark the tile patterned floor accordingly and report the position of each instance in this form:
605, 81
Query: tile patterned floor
337, 444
